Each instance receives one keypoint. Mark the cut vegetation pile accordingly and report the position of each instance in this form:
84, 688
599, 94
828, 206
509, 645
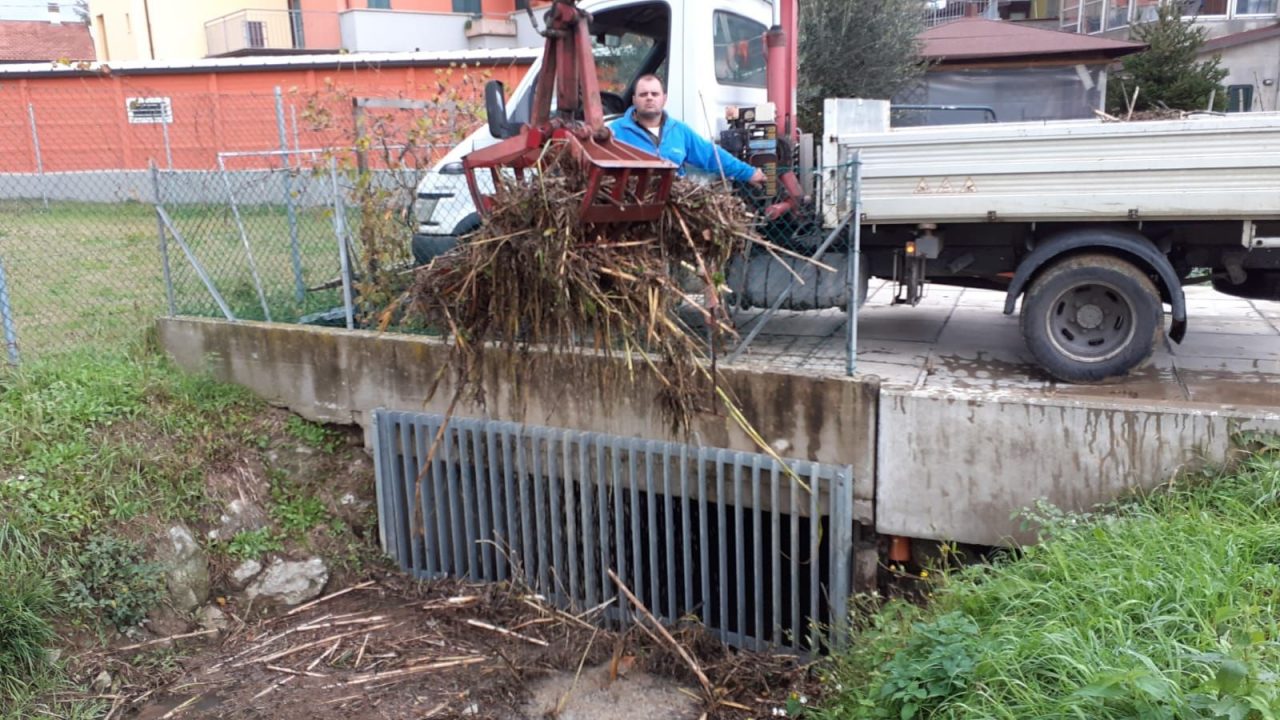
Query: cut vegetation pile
534, 274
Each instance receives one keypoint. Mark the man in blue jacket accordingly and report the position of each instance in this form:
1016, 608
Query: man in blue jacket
648, 127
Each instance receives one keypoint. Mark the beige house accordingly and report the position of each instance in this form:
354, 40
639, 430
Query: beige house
177, 30
165, 29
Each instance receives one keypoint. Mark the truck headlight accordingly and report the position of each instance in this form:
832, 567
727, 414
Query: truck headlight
425, 207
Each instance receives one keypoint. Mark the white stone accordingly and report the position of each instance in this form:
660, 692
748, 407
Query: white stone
186, 569
290, 582
244, 572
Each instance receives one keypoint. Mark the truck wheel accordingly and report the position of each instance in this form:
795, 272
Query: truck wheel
1091, 317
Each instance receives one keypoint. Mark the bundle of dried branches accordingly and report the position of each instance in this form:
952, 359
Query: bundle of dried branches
534, 274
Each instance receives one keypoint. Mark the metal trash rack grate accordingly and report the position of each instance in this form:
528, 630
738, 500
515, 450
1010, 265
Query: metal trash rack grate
726, 537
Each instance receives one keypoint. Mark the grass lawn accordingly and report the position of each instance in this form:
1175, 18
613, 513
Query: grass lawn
90, 275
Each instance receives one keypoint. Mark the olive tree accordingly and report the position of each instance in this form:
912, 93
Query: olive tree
857, 48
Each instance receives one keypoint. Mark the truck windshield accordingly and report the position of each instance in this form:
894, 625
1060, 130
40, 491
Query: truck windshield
740, 50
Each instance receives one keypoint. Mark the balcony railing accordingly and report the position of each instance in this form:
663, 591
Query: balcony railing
248, 31
942, 11
1099, 16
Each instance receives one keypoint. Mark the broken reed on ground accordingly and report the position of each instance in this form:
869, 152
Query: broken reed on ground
535, 275
465, 645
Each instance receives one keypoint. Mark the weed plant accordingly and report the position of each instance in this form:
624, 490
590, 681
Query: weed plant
1164, 606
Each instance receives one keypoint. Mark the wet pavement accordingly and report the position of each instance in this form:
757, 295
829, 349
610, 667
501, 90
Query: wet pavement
960, 339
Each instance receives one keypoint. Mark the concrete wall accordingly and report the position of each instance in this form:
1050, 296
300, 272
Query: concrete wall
340, 376
954, 465
957, 466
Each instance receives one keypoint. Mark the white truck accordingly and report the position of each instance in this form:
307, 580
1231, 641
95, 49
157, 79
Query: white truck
1094, 226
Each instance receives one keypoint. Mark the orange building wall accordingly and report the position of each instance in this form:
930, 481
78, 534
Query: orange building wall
82, 122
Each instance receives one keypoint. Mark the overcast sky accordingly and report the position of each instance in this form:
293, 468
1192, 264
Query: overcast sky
35, 10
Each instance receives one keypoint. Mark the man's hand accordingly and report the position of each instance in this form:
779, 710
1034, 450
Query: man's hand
757, 178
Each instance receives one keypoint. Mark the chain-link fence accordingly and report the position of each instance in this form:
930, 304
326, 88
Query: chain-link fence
243, 206
285, 206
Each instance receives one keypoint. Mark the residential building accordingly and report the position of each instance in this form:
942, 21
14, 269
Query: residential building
167, 30
1117, 17
1252, 60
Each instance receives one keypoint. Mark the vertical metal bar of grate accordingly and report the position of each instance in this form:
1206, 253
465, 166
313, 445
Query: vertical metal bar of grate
619, 521
602, 507
794, 547
704, 548
586, 491
757, 559
497, 501
815, 552
457, 521
775, 537
637, 551
686, 534
554, 483
413, 555
430, 514
669, 536
480, 478
527, 550
444, 510
540, 522
510, 485
722, 532
466, 479
740, 552
571, 518
651, 506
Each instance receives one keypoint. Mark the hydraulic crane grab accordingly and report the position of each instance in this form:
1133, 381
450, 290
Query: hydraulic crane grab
623, 184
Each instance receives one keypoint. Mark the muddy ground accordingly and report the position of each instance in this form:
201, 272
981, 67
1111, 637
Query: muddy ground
391, 647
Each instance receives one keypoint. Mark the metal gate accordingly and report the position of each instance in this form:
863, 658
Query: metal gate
759, 555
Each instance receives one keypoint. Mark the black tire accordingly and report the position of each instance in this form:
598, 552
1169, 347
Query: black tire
426, 247
1091, 317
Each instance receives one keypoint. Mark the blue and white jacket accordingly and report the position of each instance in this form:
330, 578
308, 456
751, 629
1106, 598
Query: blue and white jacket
678, 143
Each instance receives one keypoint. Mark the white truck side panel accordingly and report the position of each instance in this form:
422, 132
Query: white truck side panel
1201, 168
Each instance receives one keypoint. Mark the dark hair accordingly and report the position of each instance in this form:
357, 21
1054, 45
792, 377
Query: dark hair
650, 76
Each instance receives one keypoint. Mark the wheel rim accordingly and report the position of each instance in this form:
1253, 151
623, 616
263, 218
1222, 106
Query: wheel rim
1090, 322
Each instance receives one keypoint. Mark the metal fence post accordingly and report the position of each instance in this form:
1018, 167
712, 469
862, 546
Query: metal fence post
168, 149
6, 318
164, 242
35, 141
300, 288
855, 249
340, 230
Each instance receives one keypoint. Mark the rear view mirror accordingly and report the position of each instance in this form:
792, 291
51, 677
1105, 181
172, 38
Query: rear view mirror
495, 105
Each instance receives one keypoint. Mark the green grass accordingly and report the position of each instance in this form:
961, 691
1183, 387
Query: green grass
1164, 607
95, 447
90, 274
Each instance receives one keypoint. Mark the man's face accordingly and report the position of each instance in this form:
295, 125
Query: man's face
649, 99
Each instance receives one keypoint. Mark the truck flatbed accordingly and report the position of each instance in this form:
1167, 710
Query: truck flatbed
1204, 167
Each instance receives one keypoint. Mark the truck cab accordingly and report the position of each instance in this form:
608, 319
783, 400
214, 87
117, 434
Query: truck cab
703, 40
